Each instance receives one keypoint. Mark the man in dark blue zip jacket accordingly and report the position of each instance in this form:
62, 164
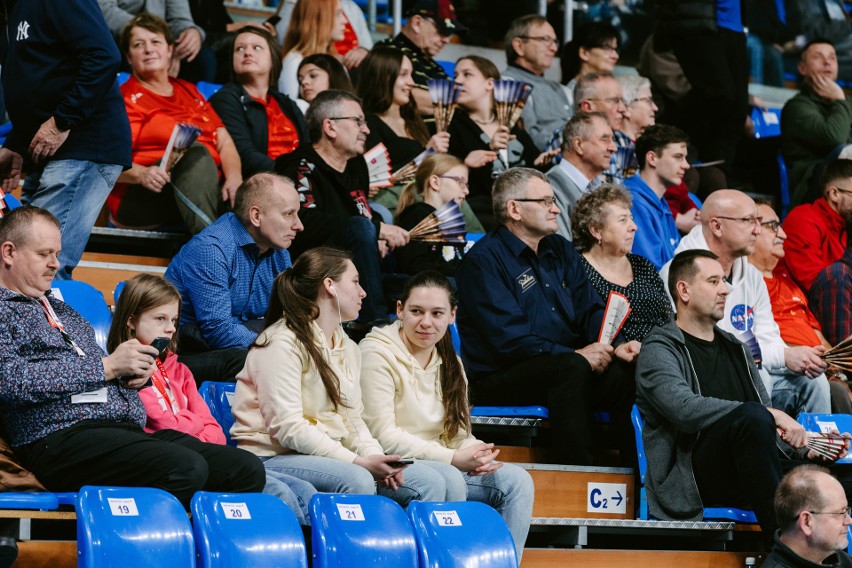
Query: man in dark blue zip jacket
710, 436
59, 65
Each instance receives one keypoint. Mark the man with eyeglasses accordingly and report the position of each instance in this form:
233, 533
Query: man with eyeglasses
587, 146
793, 375
712, 436
813, 518
816, 231
797, 323
601, 92
428, 28
332, 180
529, 321
531, 45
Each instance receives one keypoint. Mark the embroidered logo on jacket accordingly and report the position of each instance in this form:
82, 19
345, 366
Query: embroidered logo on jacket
526, 280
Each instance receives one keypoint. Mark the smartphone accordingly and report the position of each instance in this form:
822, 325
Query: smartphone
402, 462
273, 20
161, 344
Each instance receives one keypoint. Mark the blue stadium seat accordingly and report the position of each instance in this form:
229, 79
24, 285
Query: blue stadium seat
5, 129
218, 397
825, 423
784, 183
710, 513
119, 288
11, 201
456, 338
465, 533
67, 498
449, 67
767, 123
20, 500
360, 530
511, 411
89, 303
122, 77
246, 529
132, 527
208, 89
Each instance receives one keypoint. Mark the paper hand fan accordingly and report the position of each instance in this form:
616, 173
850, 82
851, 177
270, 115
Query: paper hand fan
444, 94
829, 446
181, 139
378, 165
840, 355
615, 314
406, 173
444, 225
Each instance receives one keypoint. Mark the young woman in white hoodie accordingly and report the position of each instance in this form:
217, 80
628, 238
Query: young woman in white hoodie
416, 404
297, 403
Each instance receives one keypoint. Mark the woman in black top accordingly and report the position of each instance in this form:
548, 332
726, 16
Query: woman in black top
263, 122
384, 86
603, 231
476, 137
440, 178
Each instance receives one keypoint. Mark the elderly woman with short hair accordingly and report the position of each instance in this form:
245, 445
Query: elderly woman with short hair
603, 231
636, 92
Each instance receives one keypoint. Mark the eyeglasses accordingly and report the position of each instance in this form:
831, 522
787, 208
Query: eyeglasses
359, 120
607, 48
843, 513
648, 100
841, 190
773, 225
610, 100
742, 220
548, 41
458, 179
545, 201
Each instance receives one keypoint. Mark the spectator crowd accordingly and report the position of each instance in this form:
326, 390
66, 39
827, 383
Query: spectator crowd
305, 282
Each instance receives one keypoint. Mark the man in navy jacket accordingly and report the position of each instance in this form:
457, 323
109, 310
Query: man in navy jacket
59, 65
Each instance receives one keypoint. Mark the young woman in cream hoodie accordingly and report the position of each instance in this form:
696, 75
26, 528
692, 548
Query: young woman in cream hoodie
297, 403
416, 404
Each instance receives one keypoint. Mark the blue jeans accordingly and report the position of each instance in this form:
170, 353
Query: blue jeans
329, 475
295, 493
74, 191
509, 490
797, 393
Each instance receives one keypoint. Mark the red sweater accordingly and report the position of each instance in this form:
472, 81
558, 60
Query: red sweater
193, 417
816, 237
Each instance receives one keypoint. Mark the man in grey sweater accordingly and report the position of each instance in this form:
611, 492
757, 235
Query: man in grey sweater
710, 436
531, 45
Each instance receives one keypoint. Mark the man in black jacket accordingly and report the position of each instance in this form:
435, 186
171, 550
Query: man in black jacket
332, 180
59, 64
813, 513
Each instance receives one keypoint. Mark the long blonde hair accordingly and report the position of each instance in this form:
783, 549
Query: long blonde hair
310, 29
433, 165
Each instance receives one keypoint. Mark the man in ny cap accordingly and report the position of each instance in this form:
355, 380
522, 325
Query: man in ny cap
428, 27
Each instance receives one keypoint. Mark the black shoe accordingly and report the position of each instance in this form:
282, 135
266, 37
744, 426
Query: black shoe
8, 551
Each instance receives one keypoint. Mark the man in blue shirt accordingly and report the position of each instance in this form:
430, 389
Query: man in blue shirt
225, 273
529, 320
661, 153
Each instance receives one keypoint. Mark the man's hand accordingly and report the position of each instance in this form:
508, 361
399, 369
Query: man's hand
10, 169
805, 360
812, 455
130, 359
354, 57
47, 141
628, 352
599, 356
188, 44
826, 88
791, 431
394, 236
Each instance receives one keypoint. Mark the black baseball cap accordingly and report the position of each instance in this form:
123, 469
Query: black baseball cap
441, 12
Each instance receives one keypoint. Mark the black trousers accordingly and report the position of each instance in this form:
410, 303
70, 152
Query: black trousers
103, 453
715, 110
566, 384
737, 463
